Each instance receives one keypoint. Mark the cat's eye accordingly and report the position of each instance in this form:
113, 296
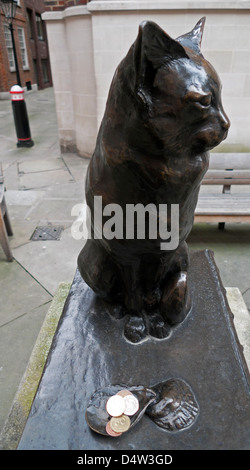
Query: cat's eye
205, 100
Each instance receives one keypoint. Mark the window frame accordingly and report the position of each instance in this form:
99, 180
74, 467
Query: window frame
45, 71
39, 27
30, 23
23, 47
9, 47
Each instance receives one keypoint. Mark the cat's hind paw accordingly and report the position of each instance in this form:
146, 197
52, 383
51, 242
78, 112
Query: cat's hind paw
157, 327
176, 302
135, 329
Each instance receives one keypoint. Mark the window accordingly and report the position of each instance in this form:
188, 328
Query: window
9, 47
30, 24
23, 48
45, 71
35, 68
39, 25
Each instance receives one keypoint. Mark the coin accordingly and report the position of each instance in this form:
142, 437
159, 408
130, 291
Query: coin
111, 432
131, 405
115, 405
120, 424
124, 392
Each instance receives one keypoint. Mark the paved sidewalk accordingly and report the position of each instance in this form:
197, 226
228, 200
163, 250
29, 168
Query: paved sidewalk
42, 187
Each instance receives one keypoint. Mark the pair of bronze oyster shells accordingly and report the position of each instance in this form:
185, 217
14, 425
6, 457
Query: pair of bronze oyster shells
170, 404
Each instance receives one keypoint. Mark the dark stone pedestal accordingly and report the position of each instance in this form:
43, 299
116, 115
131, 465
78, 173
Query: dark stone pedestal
90, 352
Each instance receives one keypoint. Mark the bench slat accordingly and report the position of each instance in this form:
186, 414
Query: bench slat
200, 218
244, 174
225, 181
225, 169
228, 168
223, 204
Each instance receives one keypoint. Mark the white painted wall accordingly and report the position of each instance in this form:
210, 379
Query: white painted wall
87, 43
71, 55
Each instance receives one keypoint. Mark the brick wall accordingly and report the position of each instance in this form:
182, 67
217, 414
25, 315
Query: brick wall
38, 44
57, 5
38, 71
8, 78
37, 4
3, 74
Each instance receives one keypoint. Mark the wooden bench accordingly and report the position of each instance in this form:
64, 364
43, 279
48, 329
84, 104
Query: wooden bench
225, 169
5, 226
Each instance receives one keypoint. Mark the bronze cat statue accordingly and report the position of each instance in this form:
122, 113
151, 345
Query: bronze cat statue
163, 114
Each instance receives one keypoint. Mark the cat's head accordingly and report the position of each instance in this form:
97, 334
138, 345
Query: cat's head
178, 90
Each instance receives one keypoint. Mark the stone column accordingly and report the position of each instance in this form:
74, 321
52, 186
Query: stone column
71, 55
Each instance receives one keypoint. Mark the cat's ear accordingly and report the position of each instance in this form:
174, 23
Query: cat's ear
153, 48
193, 39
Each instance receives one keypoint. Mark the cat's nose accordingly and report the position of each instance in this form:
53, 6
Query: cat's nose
225, 123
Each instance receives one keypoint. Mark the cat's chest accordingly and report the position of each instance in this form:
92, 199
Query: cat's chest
171, 181
179, 174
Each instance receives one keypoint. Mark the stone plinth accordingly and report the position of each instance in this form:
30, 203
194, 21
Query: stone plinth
89, 352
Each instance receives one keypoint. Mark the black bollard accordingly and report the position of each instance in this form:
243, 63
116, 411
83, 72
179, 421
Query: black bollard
20, 117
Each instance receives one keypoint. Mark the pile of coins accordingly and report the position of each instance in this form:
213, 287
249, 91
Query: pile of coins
120, 407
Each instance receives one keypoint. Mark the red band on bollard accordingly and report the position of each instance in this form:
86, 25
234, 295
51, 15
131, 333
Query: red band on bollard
17, 93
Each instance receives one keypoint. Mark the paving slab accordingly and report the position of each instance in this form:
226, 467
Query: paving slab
51, 262
41, 165
52, 209
15, 420
11, 180
241, 319
44, 178
231, 248
246, 297
20, 292
22, 228
233, 264
19, 204
72, 190
13, 355
76, 165
23, 198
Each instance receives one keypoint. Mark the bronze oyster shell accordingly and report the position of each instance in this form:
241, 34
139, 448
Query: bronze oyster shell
175, 407
96, 414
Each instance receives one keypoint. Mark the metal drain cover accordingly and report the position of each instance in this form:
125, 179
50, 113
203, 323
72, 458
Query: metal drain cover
48, 232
